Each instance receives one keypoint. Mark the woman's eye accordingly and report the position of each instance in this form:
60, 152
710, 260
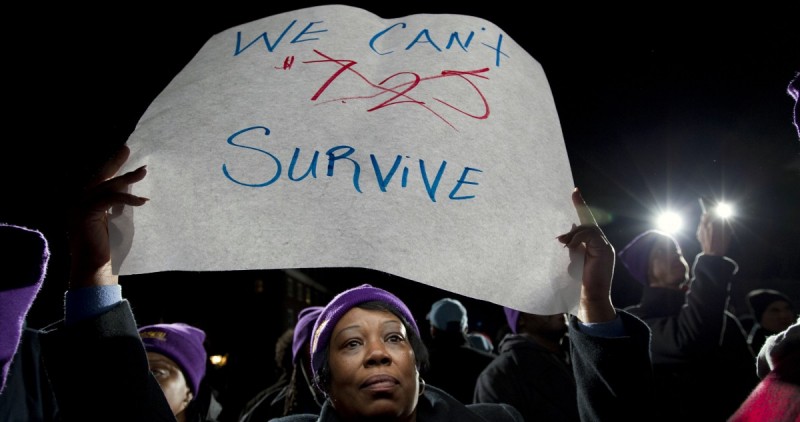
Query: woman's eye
394, 338
351, 344
159, 372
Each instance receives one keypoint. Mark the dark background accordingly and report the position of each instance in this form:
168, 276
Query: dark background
657, 107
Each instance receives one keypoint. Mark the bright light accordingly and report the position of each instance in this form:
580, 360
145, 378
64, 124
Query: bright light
219, 360
669, 222
724, 210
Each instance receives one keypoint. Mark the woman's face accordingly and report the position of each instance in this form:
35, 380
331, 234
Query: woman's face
778, 316
170, 377
373, 367
668, 268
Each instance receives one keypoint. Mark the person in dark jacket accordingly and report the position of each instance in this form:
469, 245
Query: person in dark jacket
775, 398
25, 393
365, 339
294, 391
454, 363
269, 402
24, 265
772, 313
698, 346
533, 371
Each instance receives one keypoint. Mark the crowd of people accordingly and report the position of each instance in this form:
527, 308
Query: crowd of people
362, 355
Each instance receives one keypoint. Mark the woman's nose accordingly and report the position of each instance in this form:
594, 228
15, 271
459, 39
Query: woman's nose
377, 354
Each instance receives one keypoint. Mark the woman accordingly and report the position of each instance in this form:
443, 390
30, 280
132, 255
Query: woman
366, 356
367, 353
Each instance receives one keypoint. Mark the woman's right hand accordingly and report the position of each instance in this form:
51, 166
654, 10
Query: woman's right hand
598, 264
88, 235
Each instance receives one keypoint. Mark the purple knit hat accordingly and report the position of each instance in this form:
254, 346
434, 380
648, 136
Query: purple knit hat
302, 330
338, 306
636, 254
24, 264
512, 316
183, 344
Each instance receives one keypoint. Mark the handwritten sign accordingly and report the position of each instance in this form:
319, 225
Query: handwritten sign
428, 147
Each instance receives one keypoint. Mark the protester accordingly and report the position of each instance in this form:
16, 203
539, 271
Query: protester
25, 393
776, 398
454, 363
533, 371
24, 264
177, 359
772, 313
294, 391
366, 353
269, 403
698, 346
95, 357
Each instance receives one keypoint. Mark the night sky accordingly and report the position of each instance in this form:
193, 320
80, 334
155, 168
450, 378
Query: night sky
657, 108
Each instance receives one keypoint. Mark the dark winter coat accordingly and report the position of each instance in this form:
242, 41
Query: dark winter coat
455, 365
699, 349
433, 406
610, 379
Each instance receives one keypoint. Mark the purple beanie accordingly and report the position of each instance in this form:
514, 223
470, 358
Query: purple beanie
183, 344
302, 330
636, 254
512, 316
338, 306
24, 264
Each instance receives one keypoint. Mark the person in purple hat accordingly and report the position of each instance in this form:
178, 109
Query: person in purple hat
532, 371
294, 392
25, 392
698, 346
24, 262
367, 354
177, 359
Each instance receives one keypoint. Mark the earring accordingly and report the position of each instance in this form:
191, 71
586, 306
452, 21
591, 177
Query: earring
421, 386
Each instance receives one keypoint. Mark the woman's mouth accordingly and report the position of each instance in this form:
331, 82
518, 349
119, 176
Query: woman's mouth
379, 383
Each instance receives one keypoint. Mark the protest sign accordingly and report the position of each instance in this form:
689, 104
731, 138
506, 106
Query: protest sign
427, 146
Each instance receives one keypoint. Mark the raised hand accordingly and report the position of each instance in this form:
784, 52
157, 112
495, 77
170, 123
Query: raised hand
88, 236
598, 264
714, 235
